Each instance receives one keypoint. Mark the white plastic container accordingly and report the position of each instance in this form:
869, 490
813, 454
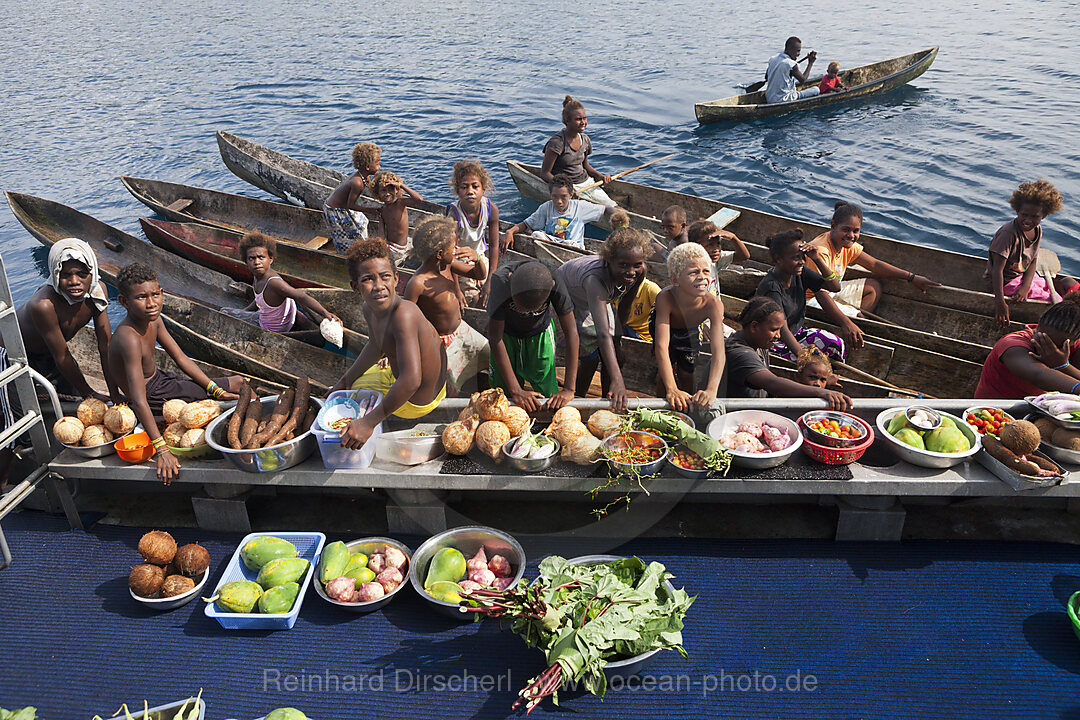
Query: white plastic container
404, 448
336, 457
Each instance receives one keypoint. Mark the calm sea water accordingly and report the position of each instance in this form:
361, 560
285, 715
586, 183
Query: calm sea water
95, 90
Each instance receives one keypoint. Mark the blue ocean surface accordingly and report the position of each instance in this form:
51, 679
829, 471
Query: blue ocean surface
96, 89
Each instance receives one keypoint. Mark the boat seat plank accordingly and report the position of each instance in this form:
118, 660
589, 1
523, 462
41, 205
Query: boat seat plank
317, 242
723, 217
180, 205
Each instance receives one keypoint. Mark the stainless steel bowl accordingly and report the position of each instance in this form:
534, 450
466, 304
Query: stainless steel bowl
687, 472
270, 459
828, 440
468, 540
1062, 455
530, 465
925, 458
171, 603
629, 666
632, 469
102, 450
367, 546
757, 461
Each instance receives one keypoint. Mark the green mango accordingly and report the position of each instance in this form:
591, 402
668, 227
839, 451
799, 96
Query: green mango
947, 439
261, 550
281, 571
335, 558
280, 599
362, 575
445, 590
448, 564
356, 561
909, 436
286, 714
898, 423
238, 596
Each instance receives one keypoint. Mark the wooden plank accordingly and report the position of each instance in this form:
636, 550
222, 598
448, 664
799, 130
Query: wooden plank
316, 242
723, 217
180, 205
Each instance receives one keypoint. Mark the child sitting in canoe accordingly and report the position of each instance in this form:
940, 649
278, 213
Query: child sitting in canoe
567, 153
680, 309
1038, 359
434, 289
1010, 269
414, 383
747, 373
526, 298
814, 368
276, 306
131, 355
673, 225
343, 211
831, 82
396, 197
788, 282
477, 218
561, 219
594, 283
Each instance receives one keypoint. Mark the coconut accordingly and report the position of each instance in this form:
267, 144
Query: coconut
176, 585
69, 430
173, 434
171, 410
516, 420
603, 423
566, 414
91, 411
1020, 436
1066, 438
193, 438
157, 547
192, 559
120, 419
146, 579
95, 435
1046, 428
197, 415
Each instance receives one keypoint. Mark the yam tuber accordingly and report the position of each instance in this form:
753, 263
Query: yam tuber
1008, 458
301, 396
251, 422
237, 419
276, 420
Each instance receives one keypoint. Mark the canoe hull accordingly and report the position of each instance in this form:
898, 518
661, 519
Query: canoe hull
864, 81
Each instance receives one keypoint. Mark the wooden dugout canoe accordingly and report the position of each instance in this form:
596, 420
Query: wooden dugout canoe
964, 273
862, 82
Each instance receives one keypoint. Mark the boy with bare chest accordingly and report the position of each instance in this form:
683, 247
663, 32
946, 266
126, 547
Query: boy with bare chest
435, 291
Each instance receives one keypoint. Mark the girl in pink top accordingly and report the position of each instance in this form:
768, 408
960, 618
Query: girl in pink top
1040, 358
276, 300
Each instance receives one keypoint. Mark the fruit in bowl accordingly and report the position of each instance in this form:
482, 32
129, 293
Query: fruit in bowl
987, 421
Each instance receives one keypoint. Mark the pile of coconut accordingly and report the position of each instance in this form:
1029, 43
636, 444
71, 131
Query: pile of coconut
96, 424
168, 571
185, 422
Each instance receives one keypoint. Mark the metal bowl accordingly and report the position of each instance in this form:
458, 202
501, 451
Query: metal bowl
687, 472
828, 440
931, 414
171, 710
171, 603
635, 469
468, 540
367, 546
757, 461
925, 458
100, 451
270, 459
530, 465
1062, 455
629, 666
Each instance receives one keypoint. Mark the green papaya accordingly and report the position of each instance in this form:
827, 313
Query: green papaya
286, 714
910, 437
281, 571
361, 575
445, 590
261, 550
947, 422
238, 596
897, 423
947, 439
335, 558
280, 599
356, 561
447, 564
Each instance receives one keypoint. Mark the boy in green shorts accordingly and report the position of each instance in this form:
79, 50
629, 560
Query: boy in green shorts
521, 333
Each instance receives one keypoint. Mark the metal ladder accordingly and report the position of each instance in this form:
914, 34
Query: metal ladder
20, 377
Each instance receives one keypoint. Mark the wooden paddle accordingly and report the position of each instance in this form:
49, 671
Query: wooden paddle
624, 173
1048, 265
862, 375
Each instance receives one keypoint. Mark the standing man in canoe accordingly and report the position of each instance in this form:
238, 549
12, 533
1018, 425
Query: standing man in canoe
783, 75
567, 153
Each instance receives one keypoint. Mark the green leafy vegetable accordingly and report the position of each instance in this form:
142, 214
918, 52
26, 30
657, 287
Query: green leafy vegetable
26, 713
585, 616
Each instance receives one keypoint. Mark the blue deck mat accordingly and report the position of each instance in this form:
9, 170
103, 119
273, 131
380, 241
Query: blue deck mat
785, 629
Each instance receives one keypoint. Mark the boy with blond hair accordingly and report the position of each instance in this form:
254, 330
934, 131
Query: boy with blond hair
434, 289
343, 211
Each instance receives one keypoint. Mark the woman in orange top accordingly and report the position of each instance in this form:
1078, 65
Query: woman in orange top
840, 247
1040, 358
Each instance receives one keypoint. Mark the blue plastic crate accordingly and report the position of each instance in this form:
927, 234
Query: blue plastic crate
308, 546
